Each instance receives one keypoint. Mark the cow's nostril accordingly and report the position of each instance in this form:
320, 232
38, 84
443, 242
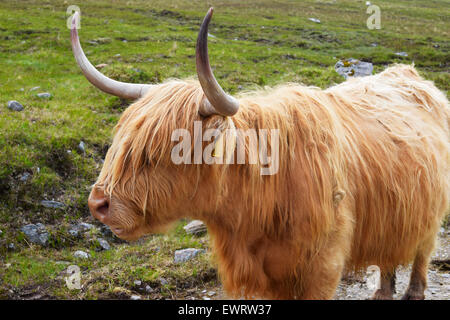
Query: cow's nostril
103, 209
99, 208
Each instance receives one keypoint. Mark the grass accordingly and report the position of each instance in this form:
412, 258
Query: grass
254, 44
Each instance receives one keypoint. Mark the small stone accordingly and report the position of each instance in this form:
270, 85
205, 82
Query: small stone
195, 227
25, 176
104, 244
81, 254
211, 293
206, 298
44, 95
314, 20
135, 297
22, 89
353, 68
137, 283
106, 231
11, 246
148, 289
103, 40
117, 55
101, 65
211, 35
36, 233
82, 147
121, 291
204, 291
35, 88
163, 281
186, 254
374, 44
368, 3
402, 54
52, 204
14, 105
75, 230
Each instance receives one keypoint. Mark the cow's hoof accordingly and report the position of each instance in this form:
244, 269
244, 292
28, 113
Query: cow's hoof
413, 296
379, 295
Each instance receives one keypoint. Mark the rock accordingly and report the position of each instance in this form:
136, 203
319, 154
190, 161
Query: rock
101, 65
206, 298
76, 229
148, 289
186, 254
137, 283
211, 35
211, 293
135, 297
374, 44
368, 3
401, 54
25, 177
104, 244
36, 233
35, 88
44, 95
81, 254
106, 231
117, 55
14, 105
163, 281
353, 68
11, 246
121, 291
195, 227
314, 20
82, 147
52, 204
103, 40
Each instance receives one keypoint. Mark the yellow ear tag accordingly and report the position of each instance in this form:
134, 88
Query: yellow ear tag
230, 143
218, 148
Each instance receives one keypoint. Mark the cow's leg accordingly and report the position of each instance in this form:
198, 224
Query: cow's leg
387, 286
323, 276
418, 281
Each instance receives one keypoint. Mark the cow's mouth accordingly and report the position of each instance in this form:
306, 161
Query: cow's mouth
118, 231
128, 235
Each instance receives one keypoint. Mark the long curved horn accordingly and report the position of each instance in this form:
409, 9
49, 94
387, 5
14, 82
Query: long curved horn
218, 101
117, 88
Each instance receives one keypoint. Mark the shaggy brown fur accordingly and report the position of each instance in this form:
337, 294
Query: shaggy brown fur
363, 179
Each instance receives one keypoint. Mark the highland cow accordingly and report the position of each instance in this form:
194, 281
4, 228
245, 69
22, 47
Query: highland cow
363, 177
